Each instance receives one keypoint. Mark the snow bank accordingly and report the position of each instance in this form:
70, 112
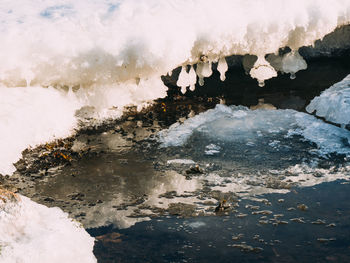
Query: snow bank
111, 53
30, 232
334, 103
85, 41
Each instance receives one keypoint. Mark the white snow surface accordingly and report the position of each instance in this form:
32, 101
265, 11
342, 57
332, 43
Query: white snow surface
30, 232
79, 42
111, 53
334, 103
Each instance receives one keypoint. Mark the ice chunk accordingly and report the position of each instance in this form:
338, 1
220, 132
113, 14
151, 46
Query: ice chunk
334, 103
180, 161
239, 124
212, 149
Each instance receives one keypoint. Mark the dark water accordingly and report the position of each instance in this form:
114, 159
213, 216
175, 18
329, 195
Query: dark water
210, 239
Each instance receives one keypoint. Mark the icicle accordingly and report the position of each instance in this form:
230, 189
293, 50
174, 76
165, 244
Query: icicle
203, 71
207, 71
183, 80
28, 76
262, 71
222, 68
292, 62
192, 78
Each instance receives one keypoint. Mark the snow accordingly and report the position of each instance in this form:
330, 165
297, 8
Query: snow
334, 103
30, 232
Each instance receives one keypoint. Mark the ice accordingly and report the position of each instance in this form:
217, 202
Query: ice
34, 115
222, 68
239, 124
262, 70
212, 149
30, 116
187, 79
292, 62
180, 161
334, 103
30, 232
192, 78
83, 42
183, 80
113, 53
203, 71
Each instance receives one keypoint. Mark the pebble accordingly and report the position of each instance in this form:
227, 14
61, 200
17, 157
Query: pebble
298, 220
262, 212
319, 222
302, 207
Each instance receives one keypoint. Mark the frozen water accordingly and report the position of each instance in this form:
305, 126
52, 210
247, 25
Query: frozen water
334, 103
241, 125
84, 42
112, 53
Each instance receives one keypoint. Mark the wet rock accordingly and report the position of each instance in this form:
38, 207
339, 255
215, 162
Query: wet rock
241, 215
168, 195
194, 170
49, 199
298, 220
247, 248
319, 222
183, 210
76, 196
263, 222
302, 207
277, 184
252, 207
237, 237
222, 207
278, 215
110, 238
262, 212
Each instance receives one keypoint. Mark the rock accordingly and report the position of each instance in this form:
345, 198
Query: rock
49, 199
298, 220
302, 207
110, 238
221, 207
194, 170
181, 209
319, 222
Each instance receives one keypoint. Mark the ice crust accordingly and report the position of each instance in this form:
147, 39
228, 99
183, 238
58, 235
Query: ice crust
334, 103
30, 232
238, 123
